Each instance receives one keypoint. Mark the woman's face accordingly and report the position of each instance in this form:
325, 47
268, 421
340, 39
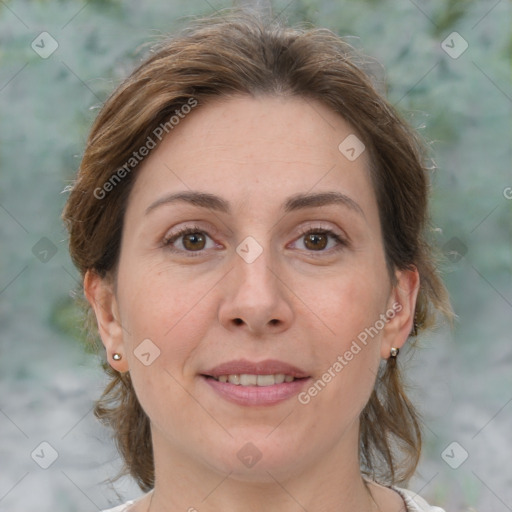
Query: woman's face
247, 283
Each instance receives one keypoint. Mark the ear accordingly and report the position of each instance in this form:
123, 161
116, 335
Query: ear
400, 312
100, 295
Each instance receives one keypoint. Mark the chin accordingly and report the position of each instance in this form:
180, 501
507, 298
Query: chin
259, 460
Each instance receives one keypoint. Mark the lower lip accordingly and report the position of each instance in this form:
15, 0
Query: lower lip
256, 395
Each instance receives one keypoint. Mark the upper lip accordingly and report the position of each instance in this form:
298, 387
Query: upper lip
266, 367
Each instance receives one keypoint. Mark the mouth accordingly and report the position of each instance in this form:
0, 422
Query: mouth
268, 389
255, 383
262, 380
259, 383
244, 372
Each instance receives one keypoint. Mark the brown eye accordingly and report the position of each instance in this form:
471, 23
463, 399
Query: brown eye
316, 241
189, 240
194, 241
322, 241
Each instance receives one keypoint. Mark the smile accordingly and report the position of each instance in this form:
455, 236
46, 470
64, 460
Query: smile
247, 379
256, 390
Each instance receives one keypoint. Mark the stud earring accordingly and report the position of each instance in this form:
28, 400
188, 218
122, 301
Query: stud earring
394, 352
116, 356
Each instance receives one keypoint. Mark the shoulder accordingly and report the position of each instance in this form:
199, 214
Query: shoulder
135, 505
120, 508
414, 502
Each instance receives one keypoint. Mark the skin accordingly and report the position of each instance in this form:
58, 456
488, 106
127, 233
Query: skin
296, 302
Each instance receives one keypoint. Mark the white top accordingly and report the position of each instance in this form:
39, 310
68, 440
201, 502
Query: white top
413, 502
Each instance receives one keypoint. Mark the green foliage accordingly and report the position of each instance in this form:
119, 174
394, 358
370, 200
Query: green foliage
68, 319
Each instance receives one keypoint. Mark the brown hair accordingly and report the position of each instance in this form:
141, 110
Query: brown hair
242, 53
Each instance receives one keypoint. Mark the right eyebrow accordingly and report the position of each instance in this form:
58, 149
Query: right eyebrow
202, 199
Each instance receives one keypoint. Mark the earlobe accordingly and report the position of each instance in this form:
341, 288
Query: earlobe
100, 295
402, 302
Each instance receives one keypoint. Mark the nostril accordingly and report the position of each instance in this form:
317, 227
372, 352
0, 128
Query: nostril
274, 321
238, 321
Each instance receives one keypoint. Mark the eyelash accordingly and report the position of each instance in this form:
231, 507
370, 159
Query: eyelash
167, 242
342, 242
182, 232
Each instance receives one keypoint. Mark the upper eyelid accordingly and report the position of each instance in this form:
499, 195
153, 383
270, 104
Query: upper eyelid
210, 229
303, 230
341, 238
337, 231
206, 228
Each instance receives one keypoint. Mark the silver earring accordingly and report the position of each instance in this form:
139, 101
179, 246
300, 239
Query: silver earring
394, 352
116, 356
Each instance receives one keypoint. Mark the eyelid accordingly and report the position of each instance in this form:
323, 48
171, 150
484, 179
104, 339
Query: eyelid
305, 229
192, 226
171, 238
342, 240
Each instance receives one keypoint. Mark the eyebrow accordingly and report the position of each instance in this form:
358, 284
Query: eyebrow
292, 203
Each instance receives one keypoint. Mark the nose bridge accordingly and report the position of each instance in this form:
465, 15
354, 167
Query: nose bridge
257, 298
255, 266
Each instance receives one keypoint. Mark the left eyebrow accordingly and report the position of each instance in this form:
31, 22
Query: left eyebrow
292, 203
300, 201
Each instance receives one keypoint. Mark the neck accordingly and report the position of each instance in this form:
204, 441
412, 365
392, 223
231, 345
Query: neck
329, 483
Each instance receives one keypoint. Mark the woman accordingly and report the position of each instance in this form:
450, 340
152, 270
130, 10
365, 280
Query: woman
249, 220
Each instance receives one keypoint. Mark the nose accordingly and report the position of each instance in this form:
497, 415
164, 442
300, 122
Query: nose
256, 297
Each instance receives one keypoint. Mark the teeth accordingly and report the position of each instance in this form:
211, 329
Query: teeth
266, 380
245, 379
234, 379
248, 380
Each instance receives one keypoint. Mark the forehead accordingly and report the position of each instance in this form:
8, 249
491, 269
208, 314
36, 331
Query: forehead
269, 147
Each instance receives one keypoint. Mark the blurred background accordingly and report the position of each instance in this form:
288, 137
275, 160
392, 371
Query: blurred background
447, 68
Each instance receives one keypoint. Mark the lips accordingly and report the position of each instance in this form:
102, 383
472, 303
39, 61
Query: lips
261, 383
266, 367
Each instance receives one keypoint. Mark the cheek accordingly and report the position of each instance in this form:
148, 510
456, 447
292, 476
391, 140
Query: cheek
167, 307
151, 307
162, 308
350, 352
152, 301
352, 301
349, 355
